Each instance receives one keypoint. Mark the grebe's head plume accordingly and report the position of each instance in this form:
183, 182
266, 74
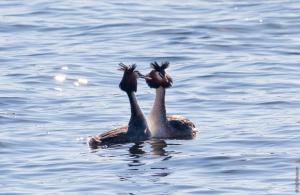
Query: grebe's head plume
158, 76
130, 76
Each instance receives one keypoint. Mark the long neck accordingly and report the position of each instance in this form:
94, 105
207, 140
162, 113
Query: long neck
159, 106
158, 118
137, 123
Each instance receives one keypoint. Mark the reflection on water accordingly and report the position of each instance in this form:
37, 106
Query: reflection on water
60, 77
146, 160
235, 66
158, 148
137, 149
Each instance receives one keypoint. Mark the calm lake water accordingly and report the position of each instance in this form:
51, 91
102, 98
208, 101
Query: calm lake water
236, 72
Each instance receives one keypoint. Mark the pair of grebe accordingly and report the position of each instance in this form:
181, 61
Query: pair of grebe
158, 125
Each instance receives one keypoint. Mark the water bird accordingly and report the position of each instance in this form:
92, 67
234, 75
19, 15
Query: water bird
137, 128
161, 125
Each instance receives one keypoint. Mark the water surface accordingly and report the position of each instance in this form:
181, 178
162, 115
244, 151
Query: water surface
235, 67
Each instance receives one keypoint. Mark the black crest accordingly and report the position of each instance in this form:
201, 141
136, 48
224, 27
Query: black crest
129, 80
129, 68
160, 68
155, 81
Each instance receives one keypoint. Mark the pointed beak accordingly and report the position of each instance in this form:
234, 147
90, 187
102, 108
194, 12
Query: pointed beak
140, 75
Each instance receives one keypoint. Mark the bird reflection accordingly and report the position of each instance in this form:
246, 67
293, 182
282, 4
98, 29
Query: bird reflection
137, 149
158, 147
147, 155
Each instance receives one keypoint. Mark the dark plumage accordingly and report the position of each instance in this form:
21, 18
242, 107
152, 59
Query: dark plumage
129, 80
158, 77
116, 136
181, 127
137, 128
159, 68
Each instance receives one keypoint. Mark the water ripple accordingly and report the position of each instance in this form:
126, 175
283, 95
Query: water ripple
235, 67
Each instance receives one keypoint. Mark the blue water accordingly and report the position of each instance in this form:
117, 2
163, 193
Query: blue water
236, 72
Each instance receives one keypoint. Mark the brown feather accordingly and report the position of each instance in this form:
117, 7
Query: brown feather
158, 77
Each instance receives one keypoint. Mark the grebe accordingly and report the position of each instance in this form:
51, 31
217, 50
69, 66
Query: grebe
161, 126
137, 128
